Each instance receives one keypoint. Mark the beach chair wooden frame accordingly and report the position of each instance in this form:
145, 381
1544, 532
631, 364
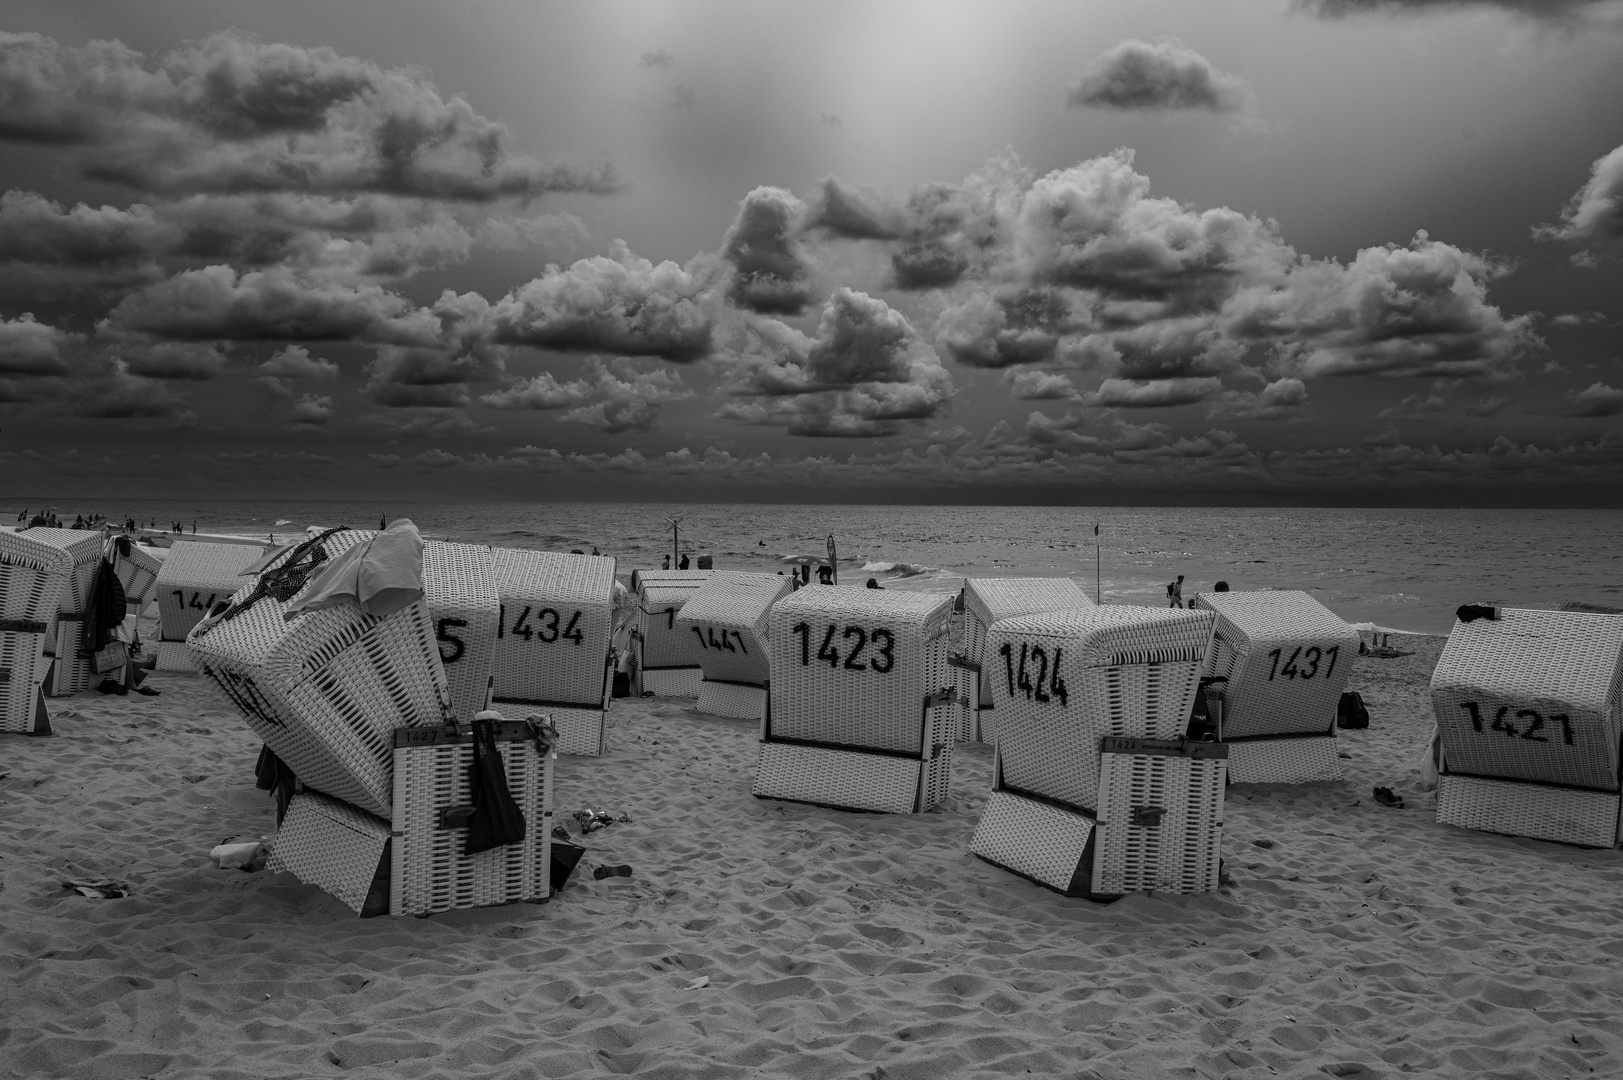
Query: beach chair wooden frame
985, 601
553, 641
668, 659
1285, 659
71, 665
860, 713
34, 577
195, 576
1096, 793
418, 848
327, 689
1529, 708
459, 587
729, 618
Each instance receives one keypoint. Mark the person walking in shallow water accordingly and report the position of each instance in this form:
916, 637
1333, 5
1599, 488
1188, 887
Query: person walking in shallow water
1175, 592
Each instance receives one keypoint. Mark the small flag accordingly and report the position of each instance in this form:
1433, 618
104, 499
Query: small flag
1096, 528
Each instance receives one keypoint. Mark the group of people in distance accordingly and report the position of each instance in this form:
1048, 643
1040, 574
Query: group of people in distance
1175, 591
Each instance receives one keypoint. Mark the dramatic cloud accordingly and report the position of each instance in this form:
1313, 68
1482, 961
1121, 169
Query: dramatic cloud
312, 410
1015, 326
1597, 399
864, 370
1282, 399
229, 114
769, 267
122, 395
1595, 214
30, 347
1556, 11
619, 303
1150, 394
1031, 385
157, 359
611, 398
295, 362
1158, 76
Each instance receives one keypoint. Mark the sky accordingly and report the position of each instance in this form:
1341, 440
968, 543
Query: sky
1317, 252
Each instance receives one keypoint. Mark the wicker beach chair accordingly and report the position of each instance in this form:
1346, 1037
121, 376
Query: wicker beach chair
34, 578
138, 575
1285, 658
985, 601
71, 671
668, 659
414, 850
459, 587
861, 712
193, 578
552, 650
327, 689
1530, 712
1095, 793
728, 617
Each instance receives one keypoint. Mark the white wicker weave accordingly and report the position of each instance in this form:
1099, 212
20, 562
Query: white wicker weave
459, 587
985, 601
1541, 811
332, 845
194, 576
660, 596
1534, 695
859, 671
1062, 680
174, 656
138, 575
429, 871
34, 576
84, 548
1286, 658
70, 670
670, 682
733, 700
728, 620
552, 644
327, 689
1304, 759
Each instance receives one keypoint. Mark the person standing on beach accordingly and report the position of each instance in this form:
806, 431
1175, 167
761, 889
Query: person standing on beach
1175, 592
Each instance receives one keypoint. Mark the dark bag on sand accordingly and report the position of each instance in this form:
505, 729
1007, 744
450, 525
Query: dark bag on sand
1350, 712
496, 818
565, 856
622, 684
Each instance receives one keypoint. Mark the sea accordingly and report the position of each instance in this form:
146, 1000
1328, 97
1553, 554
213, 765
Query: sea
1402, 570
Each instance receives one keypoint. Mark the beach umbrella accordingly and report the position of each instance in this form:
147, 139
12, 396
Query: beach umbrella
803, 559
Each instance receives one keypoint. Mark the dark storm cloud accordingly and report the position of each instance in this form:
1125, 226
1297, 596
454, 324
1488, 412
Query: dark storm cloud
1595, 214
1155, 76
619, 303
770, 275
154, 359
30, 347
121, 395
228, 114
865, 370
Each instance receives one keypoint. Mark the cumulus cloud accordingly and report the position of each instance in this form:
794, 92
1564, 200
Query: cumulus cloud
157, 359
229, 114
620, 303
1564, 12
1415, 407
295, 362
1570, 320
862, 372
312, 411
1282, 399
1597, 399
1153, 393
119, 394
1030, 385
769, 266
543, 391
656, 58
29, 347
1595, 214
1156, 76
612, 398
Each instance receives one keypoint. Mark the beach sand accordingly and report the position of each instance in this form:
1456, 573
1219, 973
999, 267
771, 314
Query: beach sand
1353, 941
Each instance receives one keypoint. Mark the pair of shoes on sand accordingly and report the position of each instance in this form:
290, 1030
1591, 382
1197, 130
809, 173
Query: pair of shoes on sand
603, 872
1384, 796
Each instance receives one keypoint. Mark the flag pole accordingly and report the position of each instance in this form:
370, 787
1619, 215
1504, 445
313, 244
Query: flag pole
1098, 590
676, 552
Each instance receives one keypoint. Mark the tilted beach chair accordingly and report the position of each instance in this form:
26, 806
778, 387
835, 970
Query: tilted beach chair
327, 689
985, 601
1530, 709
459, 587
412, 855
729, 620
1285, 658
194, 577
35, 576
71, 671
1095, 792
552, 650
137, 574
668, 660
861, 710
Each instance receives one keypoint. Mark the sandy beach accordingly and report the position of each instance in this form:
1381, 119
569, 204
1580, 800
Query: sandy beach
1353, 940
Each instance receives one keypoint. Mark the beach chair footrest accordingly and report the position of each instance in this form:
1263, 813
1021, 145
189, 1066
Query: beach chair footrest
332, 845
671, 682
175, 656
1538, 811
843, 779
732, 700
1307, 760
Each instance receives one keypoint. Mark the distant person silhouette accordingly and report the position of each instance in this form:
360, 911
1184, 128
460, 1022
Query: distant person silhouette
1221, 586
1175, 592
825, 575
874, 584
666, 565
683, 565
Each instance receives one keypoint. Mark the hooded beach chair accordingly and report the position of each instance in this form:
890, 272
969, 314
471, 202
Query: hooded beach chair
193, 578
985, 601
667, 658
1095, 792
64, 641
459, 587
1529, 708
35, 576
137, 570
861, 713
552, 646
1281, 661
728, 618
